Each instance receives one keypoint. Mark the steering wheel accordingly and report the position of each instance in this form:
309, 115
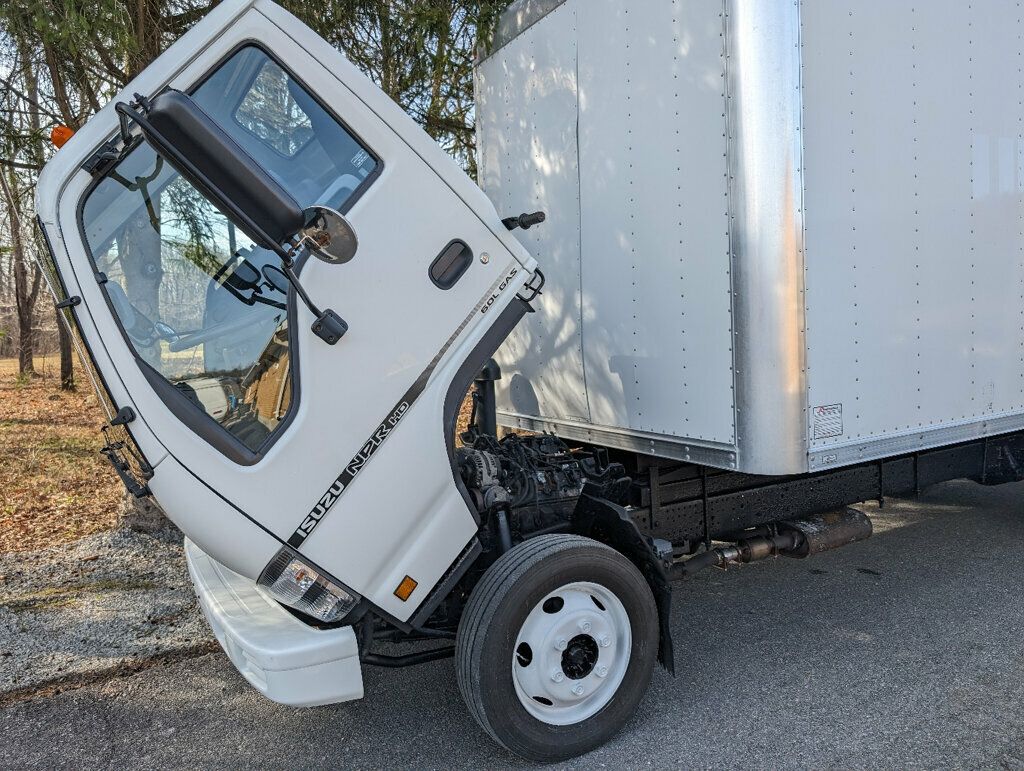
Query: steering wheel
192, 339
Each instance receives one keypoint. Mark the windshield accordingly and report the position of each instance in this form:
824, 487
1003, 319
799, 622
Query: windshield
197, 300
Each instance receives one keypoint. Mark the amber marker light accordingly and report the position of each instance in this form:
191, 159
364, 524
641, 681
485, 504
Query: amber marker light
60, 134
406, 588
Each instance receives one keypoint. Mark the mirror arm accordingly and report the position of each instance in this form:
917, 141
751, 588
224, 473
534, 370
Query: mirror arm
293, 279
123, 117
329, 326
126, 134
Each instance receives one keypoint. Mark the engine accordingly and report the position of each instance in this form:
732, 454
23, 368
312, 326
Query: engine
527, 485
523, 486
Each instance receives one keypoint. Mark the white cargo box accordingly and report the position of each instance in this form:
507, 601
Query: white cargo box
782, 236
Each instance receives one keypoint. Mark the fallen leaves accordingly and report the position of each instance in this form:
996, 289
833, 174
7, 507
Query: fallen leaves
55, 487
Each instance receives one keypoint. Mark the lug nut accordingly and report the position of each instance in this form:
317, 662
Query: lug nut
584, 626
561, 644
578, 690
557, 676
601, 671
605, 641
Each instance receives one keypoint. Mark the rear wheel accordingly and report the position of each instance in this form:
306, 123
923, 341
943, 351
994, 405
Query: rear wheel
556, 646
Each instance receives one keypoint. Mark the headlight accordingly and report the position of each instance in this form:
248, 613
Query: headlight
293, 583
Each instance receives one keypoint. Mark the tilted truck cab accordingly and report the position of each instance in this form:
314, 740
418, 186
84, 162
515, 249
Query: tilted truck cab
234, 404
238, 404
282, 290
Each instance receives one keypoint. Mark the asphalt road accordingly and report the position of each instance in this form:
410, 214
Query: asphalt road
904, 651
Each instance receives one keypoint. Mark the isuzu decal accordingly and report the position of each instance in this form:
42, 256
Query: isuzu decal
390, 423
354, 467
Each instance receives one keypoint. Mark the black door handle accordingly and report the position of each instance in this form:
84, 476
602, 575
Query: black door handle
450, 264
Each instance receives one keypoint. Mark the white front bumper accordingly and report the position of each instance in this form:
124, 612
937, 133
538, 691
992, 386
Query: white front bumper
284, 659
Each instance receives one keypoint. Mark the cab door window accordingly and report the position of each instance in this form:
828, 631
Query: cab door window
198, 302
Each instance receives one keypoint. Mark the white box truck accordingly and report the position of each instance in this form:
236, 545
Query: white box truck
769, 263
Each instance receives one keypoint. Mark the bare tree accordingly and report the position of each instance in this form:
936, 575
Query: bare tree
27, 277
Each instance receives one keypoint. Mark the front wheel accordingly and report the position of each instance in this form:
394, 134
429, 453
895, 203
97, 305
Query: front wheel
556, 646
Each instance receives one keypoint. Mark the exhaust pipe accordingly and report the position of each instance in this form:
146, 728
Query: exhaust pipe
797, 538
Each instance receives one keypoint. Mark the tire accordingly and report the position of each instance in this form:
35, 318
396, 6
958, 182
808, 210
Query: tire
591, 616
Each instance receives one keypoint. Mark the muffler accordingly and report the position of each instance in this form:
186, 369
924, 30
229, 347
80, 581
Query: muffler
824, 532
797, 538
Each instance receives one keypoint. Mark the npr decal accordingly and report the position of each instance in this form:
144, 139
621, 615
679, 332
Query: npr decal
344, 479
328, 499
501, 288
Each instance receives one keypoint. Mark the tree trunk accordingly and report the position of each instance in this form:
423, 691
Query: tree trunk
25, 291
435, 109
25, 300
67, 371
146, 20
388, 76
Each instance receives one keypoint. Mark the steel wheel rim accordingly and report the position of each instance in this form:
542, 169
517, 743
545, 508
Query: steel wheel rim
571, 653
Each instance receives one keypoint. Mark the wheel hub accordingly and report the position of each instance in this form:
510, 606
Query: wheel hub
571, 653
580, 657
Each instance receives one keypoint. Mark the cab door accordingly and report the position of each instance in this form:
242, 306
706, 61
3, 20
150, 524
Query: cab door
338, 451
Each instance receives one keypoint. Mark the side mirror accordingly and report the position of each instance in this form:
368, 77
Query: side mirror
216, 165
220, 168
328, 235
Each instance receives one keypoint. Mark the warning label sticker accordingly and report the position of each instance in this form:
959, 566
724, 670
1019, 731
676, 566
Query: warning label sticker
828, 421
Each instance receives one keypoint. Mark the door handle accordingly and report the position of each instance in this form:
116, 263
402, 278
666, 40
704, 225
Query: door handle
448, 267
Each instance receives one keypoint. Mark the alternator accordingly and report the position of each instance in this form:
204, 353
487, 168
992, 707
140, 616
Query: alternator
480, 469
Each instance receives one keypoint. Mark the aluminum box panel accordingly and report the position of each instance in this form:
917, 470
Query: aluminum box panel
582, 114
655, 218
526, 123
871, 159
912, 182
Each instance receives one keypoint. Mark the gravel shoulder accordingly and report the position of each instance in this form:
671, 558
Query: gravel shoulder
113, 601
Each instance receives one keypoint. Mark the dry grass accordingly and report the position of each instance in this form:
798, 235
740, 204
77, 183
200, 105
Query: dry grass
55, 487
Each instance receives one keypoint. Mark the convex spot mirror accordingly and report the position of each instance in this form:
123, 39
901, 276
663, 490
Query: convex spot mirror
328, 235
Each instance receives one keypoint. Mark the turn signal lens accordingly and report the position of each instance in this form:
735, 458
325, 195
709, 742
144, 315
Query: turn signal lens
406, 588
292, 582
59, 135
